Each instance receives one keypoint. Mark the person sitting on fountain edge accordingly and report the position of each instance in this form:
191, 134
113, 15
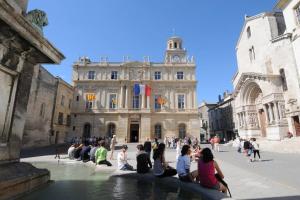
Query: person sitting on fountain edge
100, 155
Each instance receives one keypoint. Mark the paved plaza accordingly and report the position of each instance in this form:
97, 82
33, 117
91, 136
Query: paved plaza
275, 177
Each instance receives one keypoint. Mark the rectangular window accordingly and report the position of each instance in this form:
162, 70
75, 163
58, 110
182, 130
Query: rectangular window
91, 75
180, 75
157, 75
62, 100
136, 102
297, 13
77, 98
157, 104
113, 101
181, 101
89, 105
68, 120
70, 103
74, 128
60, 118
114, 75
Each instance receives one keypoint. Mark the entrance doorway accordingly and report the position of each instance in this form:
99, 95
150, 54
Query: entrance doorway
262, 119
297, 125
134, 132
86, 130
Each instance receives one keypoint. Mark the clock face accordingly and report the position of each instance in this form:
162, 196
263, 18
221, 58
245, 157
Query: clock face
176, 58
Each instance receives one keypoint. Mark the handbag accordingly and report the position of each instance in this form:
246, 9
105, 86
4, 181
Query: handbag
219, 178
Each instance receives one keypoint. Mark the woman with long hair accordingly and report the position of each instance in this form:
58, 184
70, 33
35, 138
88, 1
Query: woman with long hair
207, 168
161, 167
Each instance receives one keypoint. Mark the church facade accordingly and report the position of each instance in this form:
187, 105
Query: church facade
136, 100
267, 95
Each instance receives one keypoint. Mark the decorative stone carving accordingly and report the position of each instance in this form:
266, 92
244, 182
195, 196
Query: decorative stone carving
38, 19
22, 59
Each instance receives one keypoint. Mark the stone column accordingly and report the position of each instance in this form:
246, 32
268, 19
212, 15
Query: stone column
270, 113
121, 98
148, 102
276, 111
126, 97
279, 110
143, 101
266, 113
195, 99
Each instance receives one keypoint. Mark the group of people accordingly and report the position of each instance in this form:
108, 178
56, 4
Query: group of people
206, 166
171, 142
248, 147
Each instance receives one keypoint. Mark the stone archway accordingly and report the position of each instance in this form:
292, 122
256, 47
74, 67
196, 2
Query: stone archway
253, 116
111, 130
181, 131
86, 130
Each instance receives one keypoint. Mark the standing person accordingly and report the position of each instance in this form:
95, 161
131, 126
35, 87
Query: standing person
100, 155
161, 167
178, 148
255, 147
112, 146
217, 143
207, 167
248, 149
122, 160
184, 164
148, 146
155, 144
143, 162
211, 141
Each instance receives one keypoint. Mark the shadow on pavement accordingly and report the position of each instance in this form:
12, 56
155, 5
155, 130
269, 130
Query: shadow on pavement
279, 198
44, 151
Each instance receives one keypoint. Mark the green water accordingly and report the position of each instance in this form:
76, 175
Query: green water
73, 181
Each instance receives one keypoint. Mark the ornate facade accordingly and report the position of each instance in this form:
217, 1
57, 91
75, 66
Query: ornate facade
266, 85
105, 103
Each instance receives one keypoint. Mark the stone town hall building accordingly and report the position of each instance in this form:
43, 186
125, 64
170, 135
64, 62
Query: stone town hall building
105, 104
267, 85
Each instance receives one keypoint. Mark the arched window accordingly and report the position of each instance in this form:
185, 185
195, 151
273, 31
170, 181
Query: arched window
175, 45
182, 131
111, 130
86, 130
252, 54
42, 110
248, 32
283, 79
157, 131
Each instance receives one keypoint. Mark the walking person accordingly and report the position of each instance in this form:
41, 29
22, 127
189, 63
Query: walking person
112, 146
217, 141
255, 147
161, 168
178, 148
248, 150
211, 141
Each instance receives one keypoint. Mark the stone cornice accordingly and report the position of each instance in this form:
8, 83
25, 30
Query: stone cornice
281, 4
135, 81
24, 28
251, 75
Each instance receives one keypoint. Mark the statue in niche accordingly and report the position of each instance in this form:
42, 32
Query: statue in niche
38, 19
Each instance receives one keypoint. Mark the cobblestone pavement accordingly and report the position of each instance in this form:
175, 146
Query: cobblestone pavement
275, 177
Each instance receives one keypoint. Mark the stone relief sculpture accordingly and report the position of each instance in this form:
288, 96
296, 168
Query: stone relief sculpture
38, 19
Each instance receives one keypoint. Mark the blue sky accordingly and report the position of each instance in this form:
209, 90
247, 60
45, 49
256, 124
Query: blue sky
114, 28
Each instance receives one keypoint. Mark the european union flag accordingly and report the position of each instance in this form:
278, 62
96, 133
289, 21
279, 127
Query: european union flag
136, 89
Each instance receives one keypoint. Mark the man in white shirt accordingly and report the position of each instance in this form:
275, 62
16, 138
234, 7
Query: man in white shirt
122, 160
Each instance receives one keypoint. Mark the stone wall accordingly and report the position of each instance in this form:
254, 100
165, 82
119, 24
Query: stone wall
40, 107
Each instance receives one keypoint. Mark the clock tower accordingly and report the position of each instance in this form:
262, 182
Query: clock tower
175, 53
